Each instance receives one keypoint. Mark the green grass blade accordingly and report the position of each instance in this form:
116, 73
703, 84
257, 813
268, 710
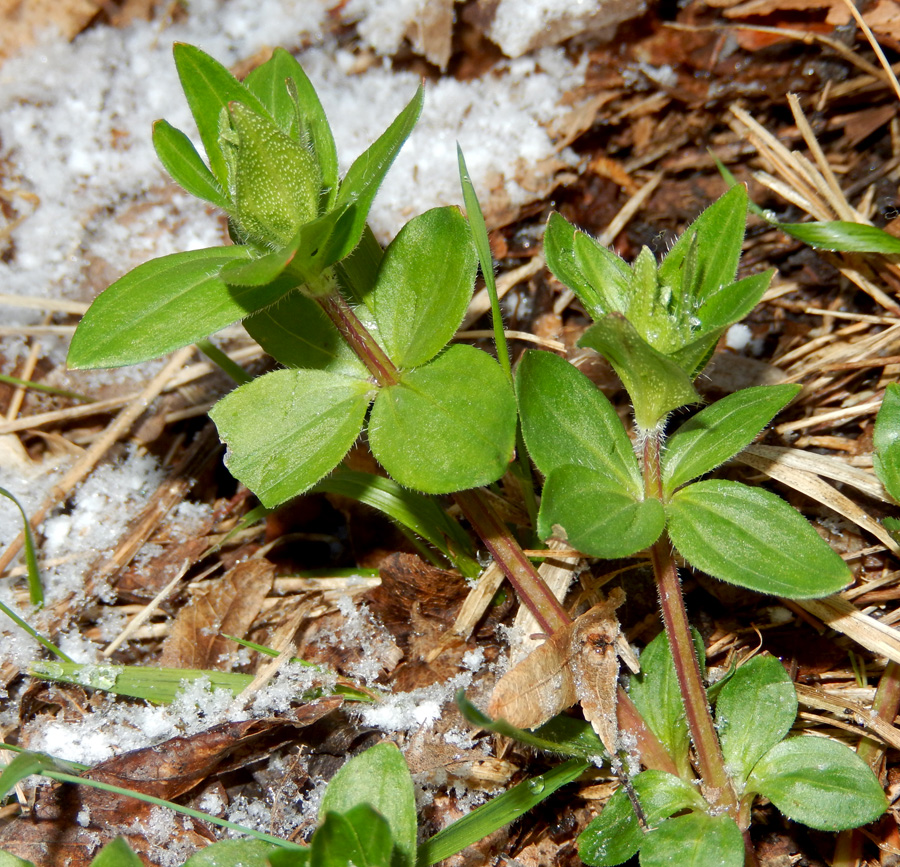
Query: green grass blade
35, 588
44, 642
415, 511
483, 246
40, 386
28, 763
219, 358
500, 811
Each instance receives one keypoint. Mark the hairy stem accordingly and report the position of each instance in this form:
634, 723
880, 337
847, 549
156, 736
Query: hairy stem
529, 586
716, 782
358, 337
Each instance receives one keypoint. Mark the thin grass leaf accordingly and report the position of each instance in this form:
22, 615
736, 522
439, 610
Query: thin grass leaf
417, 512
28, 763
498, 812
483, 246
35, 588
44, 642
221, 360
48, 389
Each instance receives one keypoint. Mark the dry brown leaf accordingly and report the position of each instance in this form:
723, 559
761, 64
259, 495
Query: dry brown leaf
224, 605
22, 22
577, 664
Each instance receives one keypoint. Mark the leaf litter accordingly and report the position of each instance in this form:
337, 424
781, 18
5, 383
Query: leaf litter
592, 125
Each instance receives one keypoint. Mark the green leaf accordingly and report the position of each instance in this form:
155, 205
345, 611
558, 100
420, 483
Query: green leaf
380, 778
616, 834
27, 763
720, 431
414, 511
607, 273
655, 383
657, 696
424, 285
887, 441
180, 158
119, 854
447, 426
35, 588
754, 711
695, 840
692, 357
559, 251
368, 170
361, 837
562, 735
7, 860
752, 538
499, 811
297, 333
232, 853
843, 236
566, 419
273, 181
287, 429
209, 87
165, 304
288, 858
708, 251
485, 259
819, 782
734, 301
358, 271
598, 518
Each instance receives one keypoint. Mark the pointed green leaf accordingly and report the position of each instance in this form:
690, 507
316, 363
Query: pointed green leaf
35, 587
615, 835
695, 840
296, 332
27, 763
559, 251
287, 429
720, 431
368, 170
715, 238
657, 696
655, 383
733, 301
819, 782
562, 735
499, 811
752, 538
119, 854
209, 87
269, 82
232, 853
414, 511
840, 235
361, 837
695, 355
424, 286
597, 517
180, 158
380, 778
300, 257
358, 271
447, 426
566, 419
887, 441
606, 272
754, 711
274, 181
165, 304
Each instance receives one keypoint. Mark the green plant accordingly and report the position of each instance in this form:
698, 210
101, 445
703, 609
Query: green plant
354, 326
657, 326
362, 331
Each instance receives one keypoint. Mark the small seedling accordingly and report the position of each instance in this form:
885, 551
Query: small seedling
657, 326
359, 330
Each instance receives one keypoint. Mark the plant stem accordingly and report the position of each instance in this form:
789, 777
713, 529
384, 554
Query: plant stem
652, 753
529, 586
358, 337
716, 782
